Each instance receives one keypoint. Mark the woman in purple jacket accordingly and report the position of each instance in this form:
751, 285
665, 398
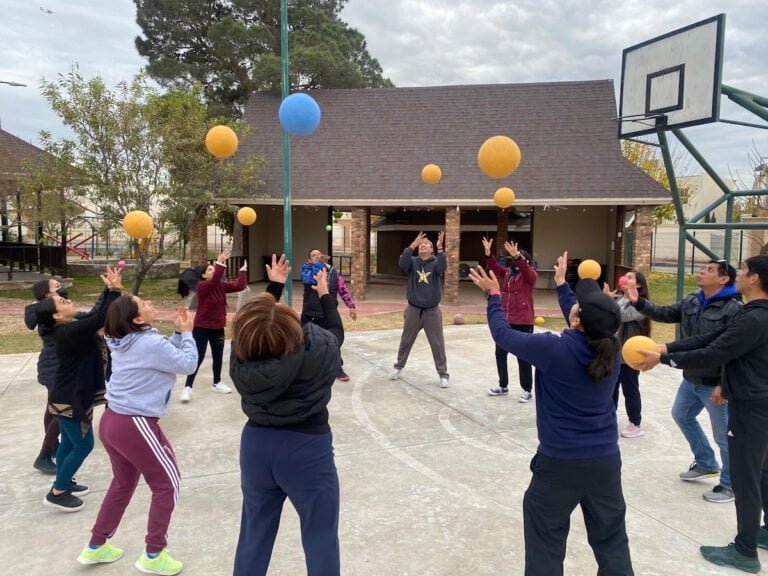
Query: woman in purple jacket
517, 283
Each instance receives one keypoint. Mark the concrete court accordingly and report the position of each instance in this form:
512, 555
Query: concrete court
432, 479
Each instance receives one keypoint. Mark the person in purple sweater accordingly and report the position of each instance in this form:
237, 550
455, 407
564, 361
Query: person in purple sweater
578, 462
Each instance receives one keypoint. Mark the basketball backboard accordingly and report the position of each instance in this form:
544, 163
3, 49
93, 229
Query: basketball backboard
673, 80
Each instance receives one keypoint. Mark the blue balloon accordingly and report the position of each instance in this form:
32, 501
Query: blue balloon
299, 114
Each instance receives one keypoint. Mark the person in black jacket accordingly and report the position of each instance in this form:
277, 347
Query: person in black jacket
742, 348
78, 385
284, 373
46, 371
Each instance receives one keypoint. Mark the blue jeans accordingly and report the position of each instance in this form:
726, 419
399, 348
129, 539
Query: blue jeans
691, 399
275, 464
72, 452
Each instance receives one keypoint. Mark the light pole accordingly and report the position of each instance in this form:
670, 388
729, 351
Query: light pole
287, 210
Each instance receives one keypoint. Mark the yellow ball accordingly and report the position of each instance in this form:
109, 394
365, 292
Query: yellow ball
539, 321
498, 157
246, 216
431, 174
221, 141
138, 224
630, 349
590, 269
504, 197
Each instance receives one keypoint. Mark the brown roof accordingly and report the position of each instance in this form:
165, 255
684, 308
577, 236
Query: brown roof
13, 152
372, 144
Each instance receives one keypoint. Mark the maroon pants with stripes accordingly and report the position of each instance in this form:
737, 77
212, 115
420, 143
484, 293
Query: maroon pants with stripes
137, 447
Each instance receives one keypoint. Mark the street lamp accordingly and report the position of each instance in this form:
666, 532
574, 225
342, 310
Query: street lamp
12, 83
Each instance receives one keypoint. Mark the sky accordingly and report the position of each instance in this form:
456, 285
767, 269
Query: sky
417, 43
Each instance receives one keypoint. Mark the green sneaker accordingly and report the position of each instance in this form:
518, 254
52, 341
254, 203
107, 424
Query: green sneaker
104, 554
729, 556
762, 538
162, 564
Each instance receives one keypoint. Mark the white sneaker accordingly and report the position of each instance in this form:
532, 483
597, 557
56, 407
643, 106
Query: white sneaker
443, 382
221, 388
632, 431
186, 394
395, 374
525, 397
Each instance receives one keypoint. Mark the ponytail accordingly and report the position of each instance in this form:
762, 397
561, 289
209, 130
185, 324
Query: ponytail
605, 351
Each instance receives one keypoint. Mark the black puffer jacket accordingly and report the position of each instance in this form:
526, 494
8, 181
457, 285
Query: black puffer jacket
292, 392
47, 363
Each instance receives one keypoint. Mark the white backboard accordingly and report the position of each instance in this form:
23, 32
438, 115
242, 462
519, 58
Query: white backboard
673, 80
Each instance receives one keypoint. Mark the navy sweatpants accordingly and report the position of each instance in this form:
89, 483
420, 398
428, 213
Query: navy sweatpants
276, 463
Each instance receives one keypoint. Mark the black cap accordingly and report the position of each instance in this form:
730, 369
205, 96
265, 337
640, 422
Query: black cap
599, 313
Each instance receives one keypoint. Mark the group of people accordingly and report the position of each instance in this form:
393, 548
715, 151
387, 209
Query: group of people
284, 366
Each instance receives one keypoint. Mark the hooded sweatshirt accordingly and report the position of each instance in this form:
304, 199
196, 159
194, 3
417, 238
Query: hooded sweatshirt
424, 278
144, 368
575, 417
212, 297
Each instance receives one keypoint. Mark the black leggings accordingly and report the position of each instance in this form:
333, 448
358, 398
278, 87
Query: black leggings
629, 380
204, 336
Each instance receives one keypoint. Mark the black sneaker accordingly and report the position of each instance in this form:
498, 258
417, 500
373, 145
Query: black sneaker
65, 501
78, 489
45, 464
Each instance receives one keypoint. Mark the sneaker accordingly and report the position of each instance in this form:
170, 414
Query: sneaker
45, 464
77, 489
632, 431
499, 391
696, 472
719, 494
186, 394
65, 501
443, 382
104, 554
729, 556
395, 374
221, 388
163, 563
342, 376
525, 397
762, 538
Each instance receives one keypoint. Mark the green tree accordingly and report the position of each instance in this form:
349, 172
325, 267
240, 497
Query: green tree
232, 47
648, 159
134, 148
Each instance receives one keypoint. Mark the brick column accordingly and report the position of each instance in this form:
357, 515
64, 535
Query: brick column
452, 245
643, 238
361, 252
198, 237
502, 232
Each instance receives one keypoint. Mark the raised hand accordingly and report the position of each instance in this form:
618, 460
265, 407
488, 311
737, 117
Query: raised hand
322, 282
487, 245
223, 256
279, 270
560, 269
440, 240
417, 242
630, 291
511, 248
112, 278
244, 267
607, 290
486, 282
184, 320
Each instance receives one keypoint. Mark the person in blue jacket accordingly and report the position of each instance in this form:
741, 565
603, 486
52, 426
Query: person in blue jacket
578, 462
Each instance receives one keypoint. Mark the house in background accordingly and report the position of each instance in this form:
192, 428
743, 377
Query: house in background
574, 189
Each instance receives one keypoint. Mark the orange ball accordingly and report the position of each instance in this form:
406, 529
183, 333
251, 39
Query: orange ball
590, 269
498, 157
431, 174
539, 321
221, 141
504, 197
458, 319
630, 349
138, 224
246, 216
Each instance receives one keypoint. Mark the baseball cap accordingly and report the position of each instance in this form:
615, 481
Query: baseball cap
599, 313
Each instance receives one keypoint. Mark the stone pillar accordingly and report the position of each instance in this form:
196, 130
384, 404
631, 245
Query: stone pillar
361, 252
452, 245
198, 237
502, 232
643, 238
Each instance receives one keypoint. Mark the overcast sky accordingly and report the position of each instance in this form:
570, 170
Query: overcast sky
418, 43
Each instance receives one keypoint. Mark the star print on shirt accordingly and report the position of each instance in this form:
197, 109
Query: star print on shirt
423, 276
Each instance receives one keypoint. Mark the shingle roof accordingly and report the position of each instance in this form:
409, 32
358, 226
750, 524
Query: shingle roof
13, 152
372, 144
